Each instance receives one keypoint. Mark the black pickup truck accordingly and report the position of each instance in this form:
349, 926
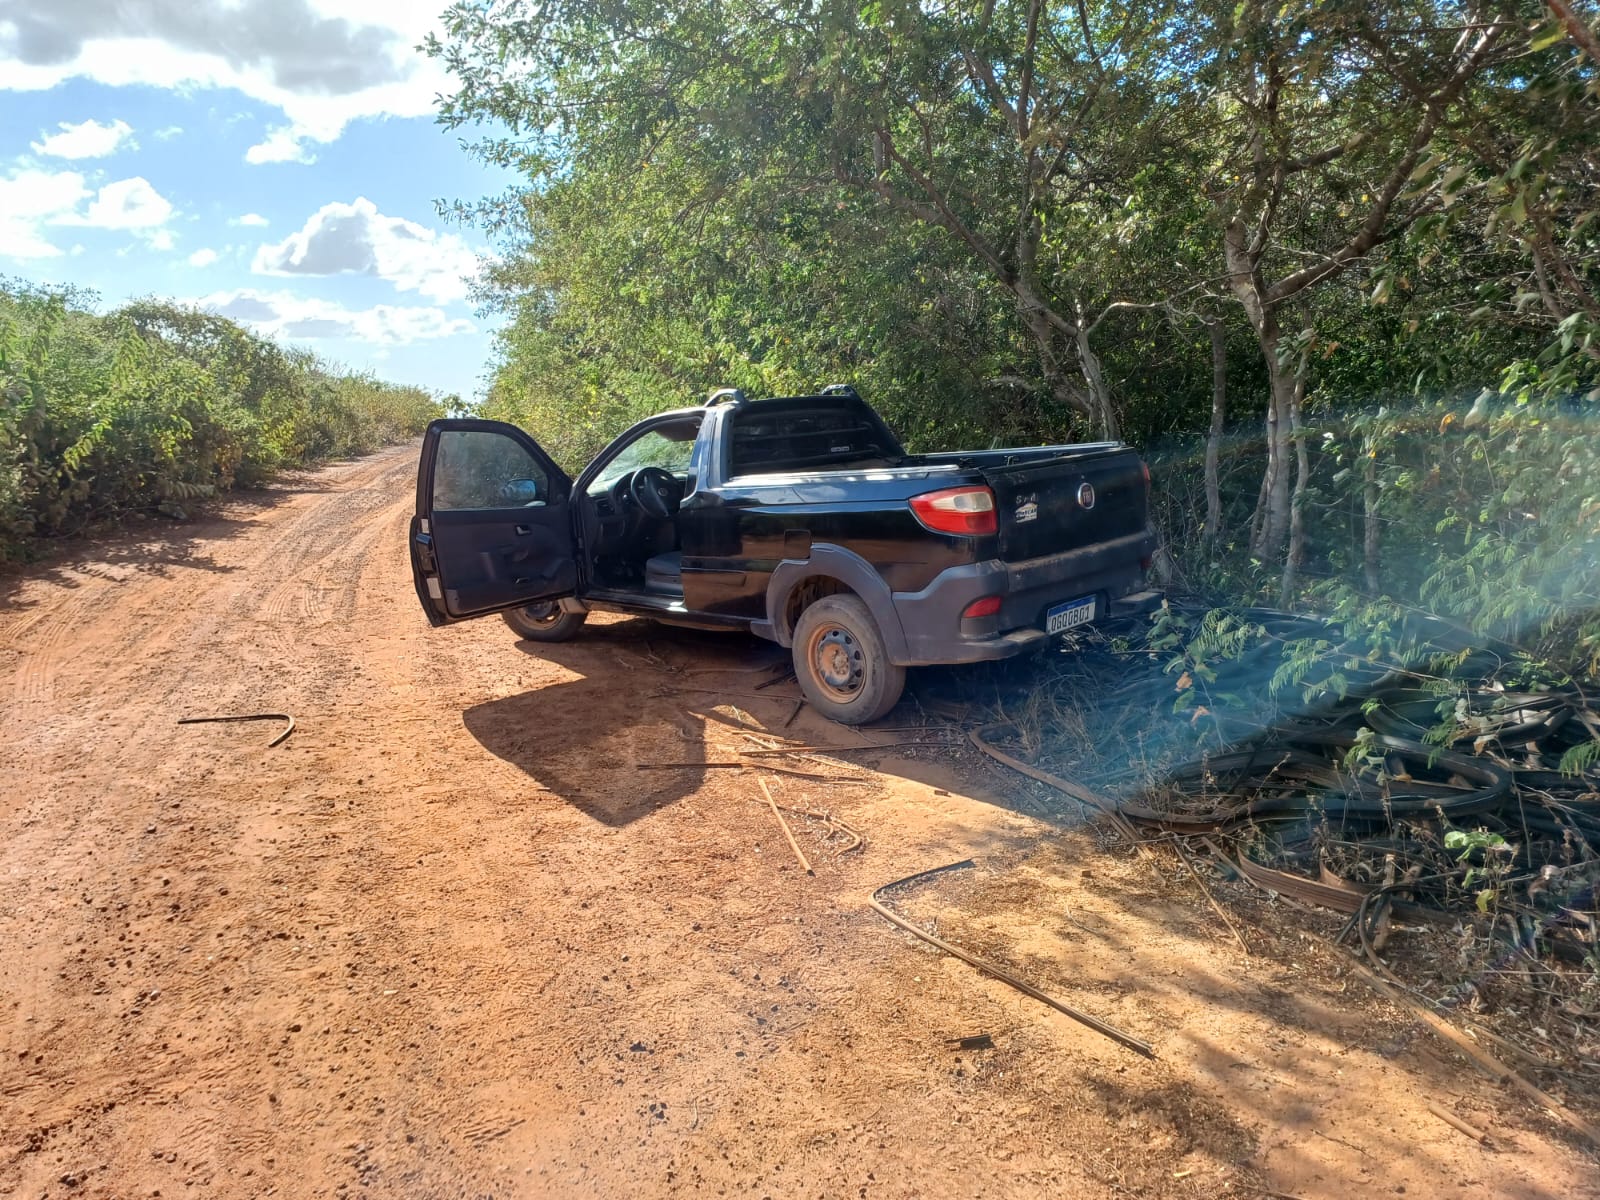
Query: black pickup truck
800, 519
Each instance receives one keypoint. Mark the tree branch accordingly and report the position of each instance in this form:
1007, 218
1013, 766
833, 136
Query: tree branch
1322, 158
1580, 33
1026, 87
936, 212
1372, 231
982, 76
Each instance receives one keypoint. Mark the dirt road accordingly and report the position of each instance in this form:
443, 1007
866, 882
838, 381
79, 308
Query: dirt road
448, 940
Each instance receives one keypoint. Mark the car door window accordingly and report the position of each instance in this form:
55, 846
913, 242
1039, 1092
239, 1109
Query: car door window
480, 469
669, 448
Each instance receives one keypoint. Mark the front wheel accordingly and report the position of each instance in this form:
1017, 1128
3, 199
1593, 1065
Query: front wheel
545, 621
842, 664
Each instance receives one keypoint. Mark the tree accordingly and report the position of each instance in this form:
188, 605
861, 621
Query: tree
1336, 106
1012, 219
1018, 130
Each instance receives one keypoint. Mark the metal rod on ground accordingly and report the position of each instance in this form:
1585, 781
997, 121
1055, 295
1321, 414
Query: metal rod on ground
684, 766
1449, 1118
1194, 873
855, 838
777, 750
979, 738
1004, 976
671, 690
274, 716
747, 766
784, 825
831, 821
1491, 1065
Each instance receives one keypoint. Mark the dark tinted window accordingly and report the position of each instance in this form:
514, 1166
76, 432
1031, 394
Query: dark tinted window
481, 469
817, 434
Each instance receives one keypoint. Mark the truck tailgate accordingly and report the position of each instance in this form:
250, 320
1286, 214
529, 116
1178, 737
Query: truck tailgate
1045, 507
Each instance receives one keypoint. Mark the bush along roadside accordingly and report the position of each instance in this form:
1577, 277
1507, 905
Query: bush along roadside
154, 406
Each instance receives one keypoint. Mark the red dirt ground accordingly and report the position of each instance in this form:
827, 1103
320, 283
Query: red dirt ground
449, 941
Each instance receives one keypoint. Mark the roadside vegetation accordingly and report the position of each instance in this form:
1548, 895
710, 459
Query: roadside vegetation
153, 406
1334, 267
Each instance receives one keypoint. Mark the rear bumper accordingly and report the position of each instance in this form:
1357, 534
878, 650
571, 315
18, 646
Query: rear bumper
936, 633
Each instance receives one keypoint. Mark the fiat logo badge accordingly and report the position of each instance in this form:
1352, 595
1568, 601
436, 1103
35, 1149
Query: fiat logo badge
1086, 495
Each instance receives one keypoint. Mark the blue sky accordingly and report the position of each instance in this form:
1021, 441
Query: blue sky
273, 160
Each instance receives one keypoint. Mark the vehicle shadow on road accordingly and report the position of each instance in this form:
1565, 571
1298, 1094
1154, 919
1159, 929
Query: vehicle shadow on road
651, 705
606, 741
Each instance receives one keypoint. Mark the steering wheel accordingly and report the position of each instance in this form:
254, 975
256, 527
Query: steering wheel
655, 490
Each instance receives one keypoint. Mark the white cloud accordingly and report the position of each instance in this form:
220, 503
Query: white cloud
30, 200
287, 143
126, 204
357, 239
87, 140
167, 133
203, 258
305, 318
249, 219
321, 63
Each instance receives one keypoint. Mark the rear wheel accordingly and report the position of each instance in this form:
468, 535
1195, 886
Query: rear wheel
842, 664
545, 621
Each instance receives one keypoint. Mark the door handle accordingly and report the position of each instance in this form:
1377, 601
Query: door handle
523, 530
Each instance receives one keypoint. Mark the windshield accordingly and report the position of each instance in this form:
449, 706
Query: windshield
666, 446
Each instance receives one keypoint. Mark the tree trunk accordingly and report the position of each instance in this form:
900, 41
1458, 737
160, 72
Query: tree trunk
1103, 413
1049, 366
1084, 391
1259, 511
1295, 559
1369, 515
1269, 525
1219, 413
1273, 520
1049, 329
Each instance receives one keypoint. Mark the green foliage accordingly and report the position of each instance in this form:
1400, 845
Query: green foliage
979, 213
1580, 758
157, 404
1493, 855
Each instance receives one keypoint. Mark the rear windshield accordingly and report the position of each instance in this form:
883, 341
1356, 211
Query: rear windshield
824, 433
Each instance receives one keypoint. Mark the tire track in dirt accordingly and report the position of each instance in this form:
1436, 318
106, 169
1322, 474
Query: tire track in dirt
42, 641
156, 644
323, 552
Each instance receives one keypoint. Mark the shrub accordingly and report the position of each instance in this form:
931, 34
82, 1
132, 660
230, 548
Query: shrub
102, 415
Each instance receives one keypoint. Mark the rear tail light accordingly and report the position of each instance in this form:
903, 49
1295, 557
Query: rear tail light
985, 607
968, 510
1145, 467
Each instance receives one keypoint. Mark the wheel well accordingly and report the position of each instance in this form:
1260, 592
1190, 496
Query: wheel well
806, 593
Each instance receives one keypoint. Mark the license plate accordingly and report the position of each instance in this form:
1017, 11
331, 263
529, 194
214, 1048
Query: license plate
1069, 615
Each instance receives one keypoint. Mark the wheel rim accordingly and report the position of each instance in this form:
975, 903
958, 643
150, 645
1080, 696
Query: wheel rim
837, 662
546, 612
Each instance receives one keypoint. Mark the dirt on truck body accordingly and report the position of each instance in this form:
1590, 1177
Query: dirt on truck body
447, 939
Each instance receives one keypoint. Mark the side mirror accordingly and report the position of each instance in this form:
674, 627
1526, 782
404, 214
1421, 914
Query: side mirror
519, 492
